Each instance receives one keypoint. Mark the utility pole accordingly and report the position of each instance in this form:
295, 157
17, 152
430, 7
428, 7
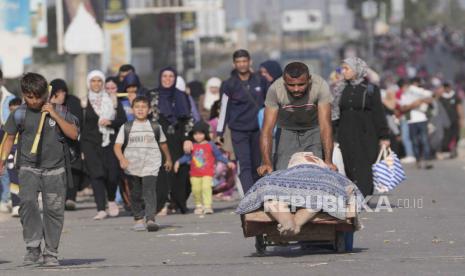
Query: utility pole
178, 39
369, 13
243, 30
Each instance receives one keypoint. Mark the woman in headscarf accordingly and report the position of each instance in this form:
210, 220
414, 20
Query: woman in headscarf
212, 94
133, 87
170, 107
271, 71
362, 126
101, 123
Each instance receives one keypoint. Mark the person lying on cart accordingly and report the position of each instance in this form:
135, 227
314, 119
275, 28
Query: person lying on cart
295, 195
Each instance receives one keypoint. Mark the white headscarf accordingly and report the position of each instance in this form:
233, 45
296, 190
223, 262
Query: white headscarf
102, 104
180, 84
211, 98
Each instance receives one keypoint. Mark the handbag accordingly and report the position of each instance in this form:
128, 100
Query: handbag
387, 171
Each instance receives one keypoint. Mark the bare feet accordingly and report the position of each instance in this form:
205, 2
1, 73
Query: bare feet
282, 214
301, 217
287, 228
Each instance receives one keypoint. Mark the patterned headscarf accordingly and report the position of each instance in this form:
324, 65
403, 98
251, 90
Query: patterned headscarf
360, 68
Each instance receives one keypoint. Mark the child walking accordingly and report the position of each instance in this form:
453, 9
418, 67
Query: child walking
44, 171
141, 141
202, 167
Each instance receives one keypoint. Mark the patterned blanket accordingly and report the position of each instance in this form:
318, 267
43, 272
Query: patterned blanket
303, 186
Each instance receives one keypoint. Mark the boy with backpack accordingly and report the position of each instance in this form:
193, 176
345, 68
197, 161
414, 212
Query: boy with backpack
137, 148
43, 171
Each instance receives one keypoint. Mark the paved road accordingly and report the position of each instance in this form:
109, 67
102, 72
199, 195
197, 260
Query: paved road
408, 241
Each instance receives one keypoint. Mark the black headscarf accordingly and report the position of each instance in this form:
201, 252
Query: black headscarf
273, 68
172, 103
58, 84
196, 88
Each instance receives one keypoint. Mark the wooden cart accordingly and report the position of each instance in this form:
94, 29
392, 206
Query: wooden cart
323, 229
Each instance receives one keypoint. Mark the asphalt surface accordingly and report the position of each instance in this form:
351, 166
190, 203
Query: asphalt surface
423, 235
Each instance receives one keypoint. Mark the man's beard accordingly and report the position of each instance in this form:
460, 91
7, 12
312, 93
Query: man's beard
298, 95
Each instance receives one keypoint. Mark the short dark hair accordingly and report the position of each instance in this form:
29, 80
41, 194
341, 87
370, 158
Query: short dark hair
111, 79
415, 80
15, 101
140, 99
446, 85
35, 84
401, 82
241, 53
296, 69
127, 67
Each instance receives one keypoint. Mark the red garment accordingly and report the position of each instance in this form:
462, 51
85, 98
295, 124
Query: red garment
203, 160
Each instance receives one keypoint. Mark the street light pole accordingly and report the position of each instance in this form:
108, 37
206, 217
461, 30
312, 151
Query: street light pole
369, 13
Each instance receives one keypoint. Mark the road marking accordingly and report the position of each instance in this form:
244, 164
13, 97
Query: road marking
193, 234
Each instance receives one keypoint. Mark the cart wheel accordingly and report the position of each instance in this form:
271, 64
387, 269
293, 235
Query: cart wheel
260, 245
340, 244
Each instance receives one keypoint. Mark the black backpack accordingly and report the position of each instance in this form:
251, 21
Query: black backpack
127, 129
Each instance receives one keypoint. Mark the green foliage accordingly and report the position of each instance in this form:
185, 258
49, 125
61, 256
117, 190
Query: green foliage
419, 14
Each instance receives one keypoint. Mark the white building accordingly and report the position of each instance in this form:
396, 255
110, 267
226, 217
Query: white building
211, 19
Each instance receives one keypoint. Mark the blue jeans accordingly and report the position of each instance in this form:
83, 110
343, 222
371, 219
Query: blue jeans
5, 179
405, 135
420, 141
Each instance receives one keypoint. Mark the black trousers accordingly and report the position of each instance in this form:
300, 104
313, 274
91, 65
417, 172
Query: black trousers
77, 185
143, 193
103, 189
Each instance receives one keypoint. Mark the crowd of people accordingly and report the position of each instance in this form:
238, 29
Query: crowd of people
148, 149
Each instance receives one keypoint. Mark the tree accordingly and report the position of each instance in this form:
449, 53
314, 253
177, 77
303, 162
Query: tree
419, 14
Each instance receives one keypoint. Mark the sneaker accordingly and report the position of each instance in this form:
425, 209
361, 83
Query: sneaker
70, 205
208, 211
139, 226
152, 226
4, 208
198, 210
408, 160
428, 166
100, 215
32, 256
15, 212
50, 261
113, 209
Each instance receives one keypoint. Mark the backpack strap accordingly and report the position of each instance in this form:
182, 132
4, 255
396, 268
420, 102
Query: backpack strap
156, 130
62, 110
127, 129
20, 118
370, 89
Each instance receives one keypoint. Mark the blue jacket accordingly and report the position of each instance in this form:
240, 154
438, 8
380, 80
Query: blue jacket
241, 101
